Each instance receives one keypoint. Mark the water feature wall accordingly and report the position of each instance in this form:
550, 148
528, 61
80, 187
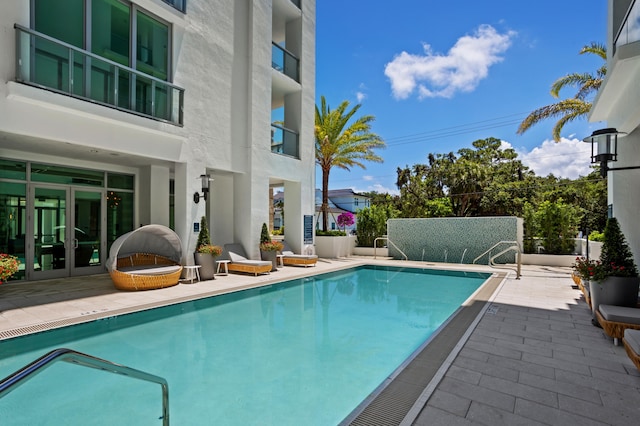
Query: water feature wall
454, 239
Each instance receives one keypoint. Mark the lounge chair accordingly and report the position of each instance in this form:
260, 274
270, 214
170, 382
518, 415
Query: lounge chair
146, 258
616, 319
289, 258
240, 263
631, 342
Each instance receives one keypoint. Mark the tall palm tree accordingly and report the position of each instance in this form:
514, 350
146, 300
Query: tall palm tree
570, 109
343, 145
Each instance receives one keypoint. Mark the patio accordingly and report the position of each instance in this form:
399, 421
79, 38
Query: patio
530, 357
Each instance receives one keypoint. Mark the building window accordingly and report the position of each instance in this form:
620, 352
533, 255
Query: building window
181, 5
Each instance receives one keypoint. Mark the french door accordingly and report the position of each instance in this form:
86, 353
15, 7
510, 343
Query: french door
67, 229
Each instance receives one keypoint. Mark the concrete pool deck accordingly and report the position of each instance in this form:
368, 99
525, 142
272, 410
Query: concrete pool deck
530, 356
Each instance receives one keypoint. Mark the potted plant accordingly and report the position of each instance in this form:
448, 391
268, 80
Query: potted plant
206, 253
269, 248
613, 280
8, 266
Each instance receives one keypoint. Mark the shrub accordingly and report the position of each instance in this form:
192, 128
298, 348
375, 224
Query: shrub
596, 236
372, 223
214, 251
321, 233
203, 236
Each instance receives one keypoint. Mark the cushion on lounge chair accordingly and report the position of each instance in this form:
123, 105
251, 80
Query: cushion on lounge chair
632, 338
620, 314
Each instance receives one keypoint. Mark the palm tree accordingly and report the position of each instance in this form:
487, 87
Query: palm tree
343, 145
570, 109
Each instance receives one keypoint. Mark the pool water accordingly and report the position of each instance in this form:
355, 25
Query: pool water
305, 351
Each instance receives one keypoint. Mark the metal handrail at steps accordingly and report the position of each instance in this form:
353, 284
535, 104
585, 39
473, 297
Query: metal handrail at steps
29, 371
514, 246
385, 237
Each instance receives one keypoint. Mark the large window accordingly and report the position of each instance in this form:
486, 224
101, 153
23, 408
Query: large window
115, 30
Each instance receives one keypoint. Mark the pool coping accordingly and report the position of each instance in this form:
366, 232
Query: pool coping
402, 396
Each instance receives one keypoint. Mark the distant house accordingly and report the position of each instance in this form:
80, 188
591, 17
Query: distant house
340, 201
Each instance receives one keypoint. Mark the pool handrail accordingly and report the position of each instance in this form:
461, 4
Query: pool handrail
32, 369
385, 237
514, 246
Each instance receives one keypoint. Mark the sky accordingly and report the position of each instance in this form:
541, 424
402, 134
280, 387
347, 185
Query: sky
437, 77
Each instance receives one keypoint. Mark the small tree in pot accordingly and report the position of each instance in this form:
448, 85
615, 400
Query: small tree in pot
206, 253
269, 248
613, 280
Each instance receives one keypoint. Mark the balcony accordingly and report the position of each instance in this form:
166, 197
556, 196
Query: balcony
284, 141
297, 3
54, 65
285, 62
630, 29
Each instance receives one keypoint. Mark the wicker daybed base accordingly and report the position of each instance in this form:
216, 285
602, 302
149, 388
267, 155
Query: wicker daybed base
144, 271
299, 261
250, 268
615, 329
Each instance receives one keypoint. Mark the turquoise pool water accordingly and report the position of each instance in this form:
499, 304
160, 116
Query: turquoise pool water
305, 351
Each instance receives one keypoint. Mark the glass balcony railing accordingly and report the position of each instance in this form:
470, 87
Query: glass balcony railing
55, 65
285, 62
296, 2
284, 141
181, 5
630, 30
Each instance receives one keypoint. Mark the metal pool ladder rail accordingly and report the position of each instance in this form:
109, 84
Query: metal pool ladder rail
68, 355
385, 237
513, 246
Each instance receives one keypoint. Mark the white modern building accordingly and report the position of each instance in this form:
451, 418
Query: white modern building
618, 103
111, 110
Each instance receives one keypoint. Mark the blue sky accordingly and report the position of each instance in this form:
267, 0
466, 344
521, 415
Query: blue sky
438, 77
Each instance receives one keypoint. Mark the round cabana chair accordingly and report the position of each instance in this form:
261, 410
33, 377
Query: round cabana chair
146, 258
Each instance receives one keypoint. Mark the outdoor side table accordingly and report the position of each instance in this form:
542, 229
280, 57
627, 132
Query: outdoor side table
192, 272
224, 263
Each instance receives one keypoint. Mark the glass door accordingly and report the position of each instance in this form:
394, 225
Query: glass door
48, 256
87, 243
67, 225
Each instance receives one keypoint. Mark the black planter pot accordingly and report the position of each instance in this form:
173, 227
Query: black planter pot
617, 291
207, 265
272, 257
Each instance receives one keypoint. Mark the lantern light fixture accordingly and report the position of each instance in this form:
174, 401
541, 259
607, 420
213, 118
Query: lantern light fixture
205, 180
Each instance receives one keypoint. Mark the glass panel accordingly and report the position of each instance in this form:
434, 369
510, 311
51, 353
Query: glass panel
119, 215
172, 204
63, 20
110, 29
88, 217
66, 175
49, 229
119, 181
11, 169
152, 41
13, 222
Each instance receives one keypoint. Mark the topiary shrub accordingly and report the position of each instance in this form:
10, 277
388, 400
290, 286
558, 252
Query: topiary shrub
203, 236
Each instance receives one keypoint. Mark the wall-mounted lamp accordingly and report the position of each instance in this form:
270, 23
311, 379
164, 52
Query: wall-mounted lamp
604, 148
205, 188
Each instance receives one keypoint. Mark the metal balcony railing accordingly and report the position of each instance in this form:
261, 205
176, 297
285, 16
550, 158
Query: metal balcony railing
285, 62
284, 141
52, 64
630, 29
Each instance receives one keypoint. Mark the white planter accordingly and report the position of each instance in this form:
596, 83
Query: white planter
549, 259
334, 247
368, 251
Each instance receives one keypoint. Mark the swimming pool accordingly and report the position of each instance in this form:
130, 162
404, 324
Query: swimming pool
305, 351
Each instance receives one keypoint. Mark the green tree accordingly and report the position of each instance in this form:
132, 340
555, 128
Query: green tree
555, 223
615, 250
342, 143
570, 109
203, 236
372, 223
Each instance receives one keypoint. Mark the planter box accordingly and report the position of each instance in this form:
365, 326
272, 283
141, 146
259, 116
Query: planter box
549, 259
618, 291
207, 265
368, 251
334, 247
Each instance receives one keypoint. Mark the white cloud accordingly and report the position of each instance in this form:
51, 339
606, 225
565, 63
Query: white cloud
569, 158
367, 178
360, 96
461, 70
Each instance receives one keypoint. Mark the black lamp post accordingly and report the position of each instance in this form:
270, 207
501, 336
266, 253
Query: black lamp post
205, 188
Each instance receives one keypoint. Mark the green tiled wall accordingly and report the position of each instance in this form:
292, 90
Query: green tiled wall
455, 239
